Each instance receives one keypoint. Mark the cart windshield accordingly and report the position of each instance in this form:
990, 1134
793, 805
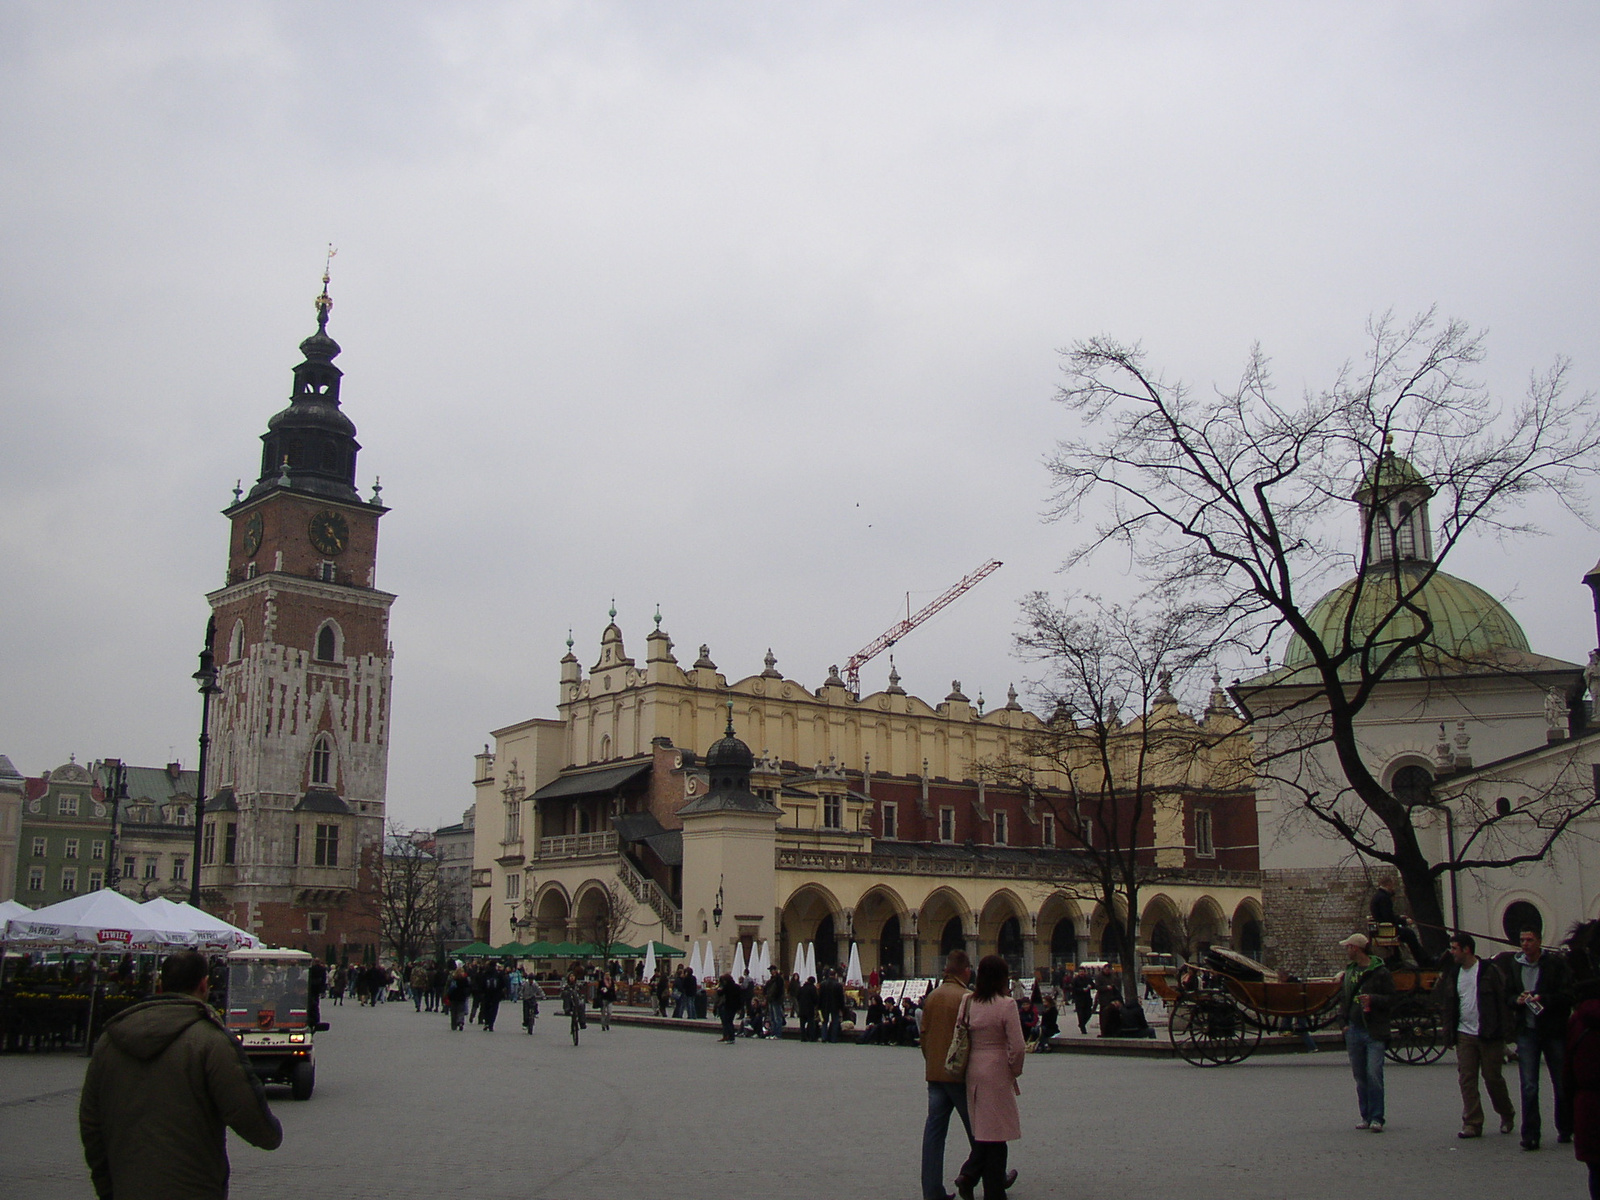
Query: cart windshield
267, 993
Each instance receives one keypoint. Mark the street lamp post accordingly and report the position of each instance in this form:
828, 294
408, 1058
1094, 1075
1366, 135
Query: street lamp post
206, 678
117, 787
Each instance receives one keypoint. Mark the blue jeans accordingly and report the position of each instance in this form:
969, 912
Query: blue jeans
942, 1099
1366, 1064
832, 1028
1530, 1049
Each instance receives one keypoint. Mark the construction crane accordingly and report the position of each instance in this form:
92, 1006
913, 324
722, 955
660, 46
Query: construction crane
891, 635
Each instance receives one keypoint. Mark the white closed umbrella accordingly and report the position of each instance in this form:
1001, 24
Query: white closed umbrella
852, 973
800, 961
763, 961
811, 958
740, 967
650, 961
694, 960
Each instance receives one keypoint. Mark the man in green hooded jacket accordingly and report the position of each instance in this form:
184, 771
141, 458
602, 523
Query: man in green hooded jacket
166, 1083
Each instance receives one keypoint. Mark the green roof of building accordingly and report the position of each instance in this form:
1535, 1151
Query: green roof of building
1391, 473
1470, 627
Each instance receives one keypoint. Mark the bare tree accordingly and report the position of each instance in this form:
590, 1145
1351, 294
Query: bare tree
1128, 756
1231, 503
613, 914
412, 897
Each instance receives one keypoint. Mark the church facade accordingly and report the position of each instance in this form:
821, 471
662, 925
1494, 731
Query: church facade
295, 789
1485, 741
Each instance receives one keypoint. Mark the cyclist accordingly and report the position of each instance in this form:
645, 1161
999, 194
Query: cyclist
572, 1003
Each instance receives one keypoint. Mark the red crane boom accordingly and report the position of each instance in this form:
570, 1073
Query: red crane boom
852, 668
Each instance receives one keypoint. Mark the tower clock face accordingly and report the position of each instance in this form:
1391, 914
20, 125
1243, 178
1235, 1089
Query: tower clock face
252, 534
329, 533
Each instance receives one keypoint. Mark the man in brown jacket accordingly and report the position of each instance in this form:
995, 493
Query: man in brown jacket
166, 1082
945, 1092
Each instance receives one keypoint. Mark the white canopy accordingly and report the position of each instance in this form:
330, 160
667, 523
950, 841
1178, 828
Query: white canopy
852, 973
10, 908
105, 919
210, 931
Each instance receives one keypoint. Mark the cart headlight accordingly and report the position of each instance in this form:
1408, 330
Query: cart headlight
297, 1037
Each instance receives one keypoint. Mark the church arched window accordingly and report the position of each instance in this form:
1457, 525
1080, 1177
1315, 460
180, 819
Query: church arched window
236, 642
322, 759
1412, 786
328, 642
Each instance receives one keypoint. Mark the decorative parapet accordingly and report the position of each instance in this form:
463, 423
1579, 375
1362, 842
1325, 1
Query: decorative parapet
977, 867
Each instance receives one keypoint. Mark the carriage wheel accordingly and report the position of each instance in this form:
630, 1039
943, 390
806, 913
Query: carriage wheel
1211, 1031
1415, 1038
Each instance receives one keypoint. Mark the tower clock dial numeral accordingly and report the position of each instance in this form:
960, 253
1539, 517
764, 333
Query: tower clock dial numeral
252, 534
329, 533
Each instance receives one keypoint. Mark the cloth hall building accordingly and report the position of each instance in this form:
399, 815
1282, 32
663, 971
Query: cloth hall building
764, 810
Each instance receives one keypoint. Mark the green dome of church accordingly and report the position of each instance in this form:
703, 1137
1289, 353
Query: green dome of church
1469, 625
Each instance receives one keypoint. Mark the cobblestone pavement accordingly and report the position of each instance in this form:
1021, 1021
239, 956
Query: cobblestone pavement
405, 1109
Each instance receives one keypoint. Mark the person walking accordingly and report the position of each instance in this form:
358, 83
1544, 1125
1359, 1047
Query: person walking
1477, 1020
1582, 1081
494, 990
419, 983
830, 999
165, 1084
805, 1005
456, 996
605, 995
775, 1003
1364, 1007
993, 1065
946, 1093
1082, 989
729, 999
1541, 998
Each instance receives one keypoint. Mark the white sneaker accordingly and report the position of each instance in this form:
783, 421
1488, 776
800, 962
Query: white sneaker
1364, 1126
1377, 1127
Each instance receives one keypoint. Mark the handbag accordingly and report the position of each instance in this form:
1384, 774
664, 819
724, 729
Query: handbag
955, 1058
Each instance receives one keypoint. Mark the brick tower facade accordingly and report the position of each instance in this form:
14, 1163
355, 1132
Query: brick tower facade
295, 811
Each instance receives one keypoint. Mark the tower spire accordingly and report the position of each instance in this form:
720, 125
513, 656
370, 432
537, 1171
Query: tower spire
324, 301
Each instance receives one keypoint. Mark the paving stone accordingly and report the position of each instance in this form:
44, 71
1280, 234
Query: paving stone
404, 1108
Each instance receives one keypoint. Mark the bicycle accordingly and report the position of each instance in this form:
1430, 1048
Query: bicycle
577, 1021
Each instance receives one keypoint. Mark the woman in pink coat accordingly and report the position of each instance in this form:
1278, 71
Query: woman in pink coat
998, 1053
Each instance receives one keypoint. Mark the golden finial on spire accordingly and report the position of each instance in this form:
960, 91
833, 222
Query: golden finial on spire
324, 301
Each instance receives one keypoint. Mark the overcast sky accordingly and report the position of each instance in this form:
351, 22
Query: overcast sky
753, 311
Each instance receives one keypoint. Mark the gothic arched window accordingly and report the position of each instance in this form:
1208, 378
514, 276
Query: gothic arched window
327, 643
322, 759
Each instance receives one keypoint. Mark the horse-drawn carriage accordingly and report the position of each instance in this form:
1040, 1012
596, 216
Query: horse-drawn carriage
1222, 1007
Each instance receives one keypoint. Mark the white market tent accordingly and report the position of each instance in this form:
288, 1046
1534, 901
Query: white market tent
105, 919
210, 931
852, 973
10, 908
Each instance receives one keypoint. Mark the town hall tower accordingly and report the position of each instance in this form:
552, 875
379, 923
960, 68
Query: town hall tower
295, 796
